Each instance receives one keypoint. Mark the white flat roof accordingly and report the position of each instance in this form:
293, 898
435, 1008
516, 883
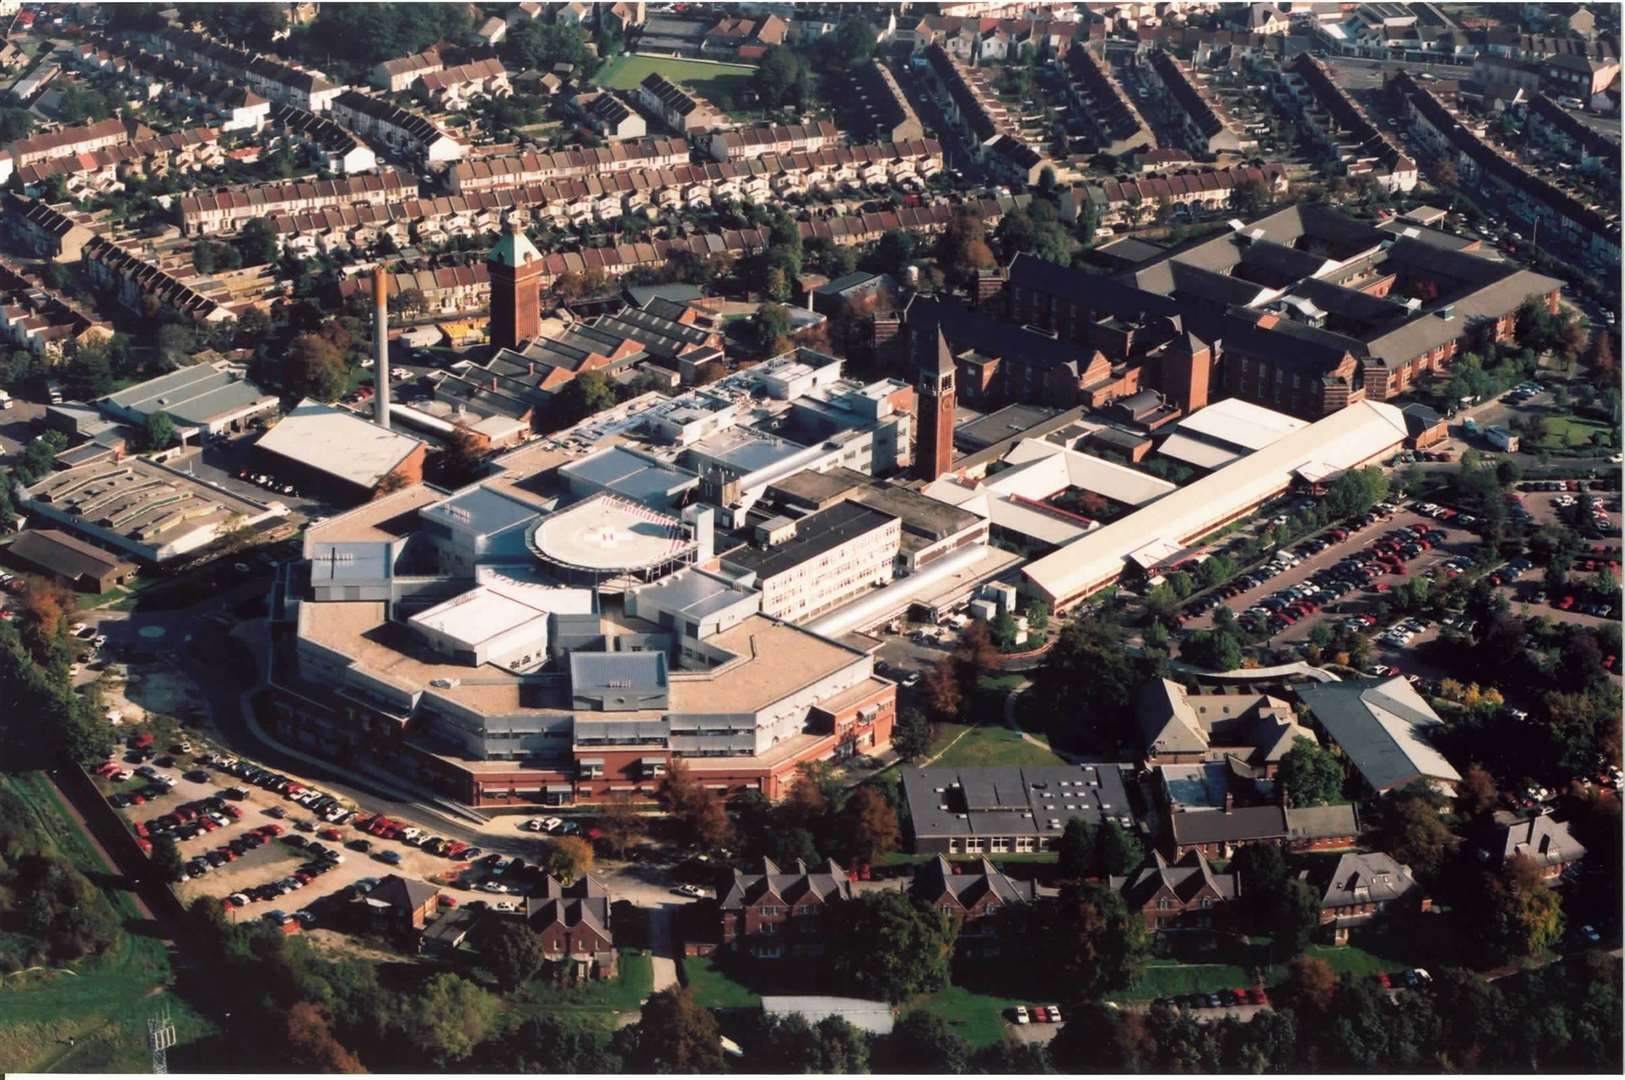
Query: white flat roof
1204, 455
1064, 468
1241, 424
339, 443
1347, 438
498, 605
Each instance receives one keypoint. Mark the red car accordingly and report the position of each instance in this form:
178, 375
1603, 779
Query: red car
1566, 603
1040, 1014
330, 834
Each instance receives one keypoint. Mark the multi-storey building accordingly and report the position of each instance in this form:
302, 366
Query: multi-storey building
817, 563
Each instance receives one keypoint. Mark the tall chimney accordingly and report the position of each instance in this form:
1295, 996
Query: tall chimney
380, 347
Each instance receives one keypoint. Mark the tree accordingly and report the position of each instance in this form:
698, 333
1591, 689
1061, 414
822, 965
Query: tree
1310, 985
446, 1018
1088, 662
1414, 833
1311, 774
781, 79
166, 858
888, 945
1097, 944
1601, 358
941, 690
316, 368
1216, 650
871, 825
620, 822
1250, 198
309, 1037
1120, 850
588, 393
1076, 851
257, 242
160, 431
570, 857
176, 344
1519, 912
922, 1042
540, 45
700, 813
911, 737
1296, 916
851, 45
1477, 794
675, 1035
513, 951
769, 326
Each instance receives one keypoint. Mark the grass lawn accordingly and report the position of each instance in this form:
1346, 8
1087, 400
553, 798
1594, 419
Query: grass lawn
977, 1018
989, 744
624, 993
104, 1005
626, 72
714, 988
1568, 432
1163, 979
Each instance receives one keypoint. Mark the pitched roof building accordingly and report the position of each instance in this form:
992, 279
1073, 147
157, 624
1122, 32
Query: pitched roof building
1547, 843
1384, 728
1360, 886
769, 911
1184, 893
574, 924
1183, 728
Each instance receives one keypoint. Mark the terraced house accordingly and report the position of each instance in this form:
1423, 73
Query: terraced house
405, 131
771, 914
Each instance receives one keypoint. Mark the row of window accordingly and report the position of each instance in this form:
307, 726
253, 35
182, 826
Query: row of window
976, 845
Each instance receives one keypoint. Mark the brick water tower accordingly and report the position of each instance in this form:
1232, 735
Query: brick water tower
516, 289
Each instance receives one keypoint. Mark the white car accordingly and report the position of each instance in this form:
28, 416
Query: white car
494, 887
505, 906
552, 824
1020, 1013
695, 891
533, 825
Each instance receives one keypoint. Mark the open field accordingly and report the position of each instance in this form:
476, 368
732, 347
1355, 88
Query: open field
706, 80
988, 744
976, 1018
104, 1003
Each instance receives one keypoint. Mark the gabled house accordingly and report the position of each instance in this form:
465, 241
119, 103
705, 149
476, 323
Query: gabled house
1181, 895
401, 904
1547, 843
971, 893
1362, 884
573, 922
769, 912
1181, 728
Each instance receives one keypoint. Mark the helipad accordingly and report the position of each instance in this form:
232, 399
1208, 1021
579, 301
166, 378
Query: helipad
606, 534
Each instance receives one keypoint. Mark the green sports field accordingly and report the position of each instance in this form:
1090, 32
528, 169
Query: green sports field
626, 72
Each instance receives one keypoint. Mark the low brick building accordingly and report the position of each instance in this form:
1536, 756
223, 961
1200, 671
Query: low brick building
1185, 894
574, 924
769, 913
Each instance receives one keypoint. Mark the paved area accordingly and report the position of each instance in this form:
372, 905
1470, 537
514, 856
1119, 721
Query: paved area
17, 425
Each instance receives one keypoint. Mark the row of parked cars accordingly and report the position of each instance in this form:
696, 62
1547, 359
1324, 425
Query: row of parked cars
1043, 1014
229, 852
552, 825
389, 829
319, 803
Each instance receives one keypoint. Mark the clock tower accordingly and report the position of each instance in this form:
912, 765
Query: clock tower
934, 454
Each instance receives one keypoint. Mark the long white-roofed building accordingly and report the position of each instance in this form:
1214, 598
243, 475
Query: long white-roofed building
1358, 435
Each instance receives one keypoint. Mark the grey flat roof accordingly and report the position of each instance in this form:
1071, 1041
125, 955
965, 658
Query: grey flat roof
1012, 800
630, 475
746, 450
480, 510
694, 593
192, 395
1005, 423
350, 561
617, 671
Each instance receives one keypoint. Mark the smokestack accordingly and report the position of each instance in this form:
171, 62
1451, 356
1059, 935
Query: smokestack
380, 347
